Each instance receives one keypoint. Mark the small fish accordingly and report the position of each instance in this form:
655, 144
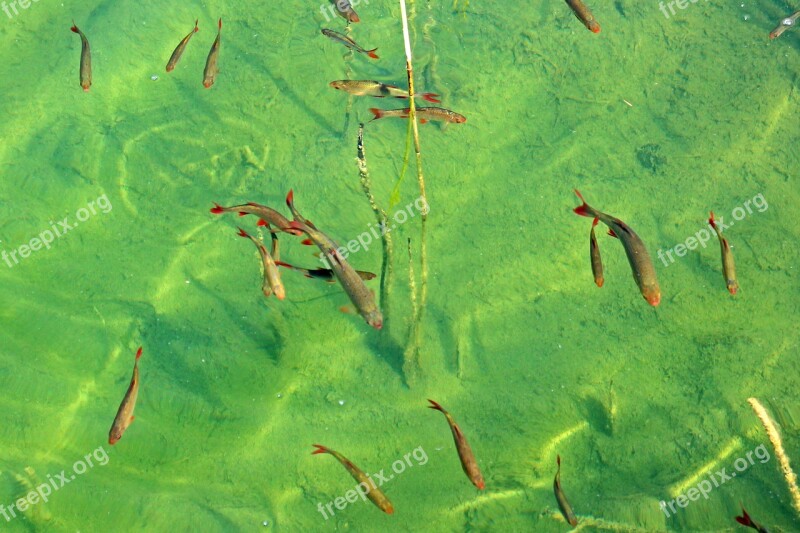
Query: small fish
468, 462
745, 520
561, 498
373, 492
728, 266
584, 15
642, 266
348, 42
176, 55
378, 90
86, 59
272, 279
211, 70
423, 113
784, 25
267, 214
363, 298
325, 274
345, 10
594, 253
125, 416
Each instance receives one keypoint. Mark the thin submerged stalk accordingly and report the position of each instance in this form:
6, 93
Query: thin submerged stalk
380, 216
415, 340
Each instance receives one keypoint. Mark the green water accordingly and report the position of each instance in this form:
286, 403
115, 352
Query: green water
518, 344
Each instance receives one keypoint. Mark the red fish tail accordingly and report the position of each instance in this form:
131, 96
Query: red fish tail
243, 233
217, 209
711, 220
595, 221
219, 24
290, 199
745, 519
74, 28
377, 112
435, 405
196, 29
431, 97
583, 210
320, 449
372, 54
138, 353
611, 232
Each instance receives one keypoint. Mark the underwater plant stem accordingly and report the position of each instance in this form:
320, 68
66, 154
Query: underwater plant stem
412, 117
380, 216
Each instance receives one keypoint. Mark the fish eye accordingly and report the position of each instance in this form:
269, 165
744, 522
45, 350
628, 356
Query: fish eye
787, 22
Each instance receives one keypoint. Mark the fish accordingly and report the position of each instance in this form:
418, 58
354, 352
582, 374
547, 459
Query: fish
363, 298
86, 59
373, 492
325, 274
561, 498
176, 55
272, 279
468, 462
594, 253
211, 70
423, 113
784, 25
728, 266
346, 10
267, 214
348, 42
745, 520
378, 89
584, 14
125, 416
642, 266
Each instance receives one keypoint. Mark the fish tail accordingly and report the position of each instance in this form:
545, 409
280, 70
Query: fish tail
74, 28
431, 97
243, 233
196, 29
612, 234
377, 112
595, 221
372, 54
745, 519
138, 353
711, 220
320, 449
435, 405
219, 24
217, 209
584, 210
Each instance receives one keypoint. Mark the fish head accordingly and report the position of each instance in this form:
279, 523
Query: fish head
653, 296
114, 436
337, 84
374, 319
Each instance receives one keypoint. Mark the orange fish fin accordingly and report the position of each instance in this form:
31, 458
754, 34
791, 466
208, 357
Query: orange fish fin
611, 232
372, 54
423, 120
430, 97
138, 353
319, 449
435, 405
377, 112
348, 310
